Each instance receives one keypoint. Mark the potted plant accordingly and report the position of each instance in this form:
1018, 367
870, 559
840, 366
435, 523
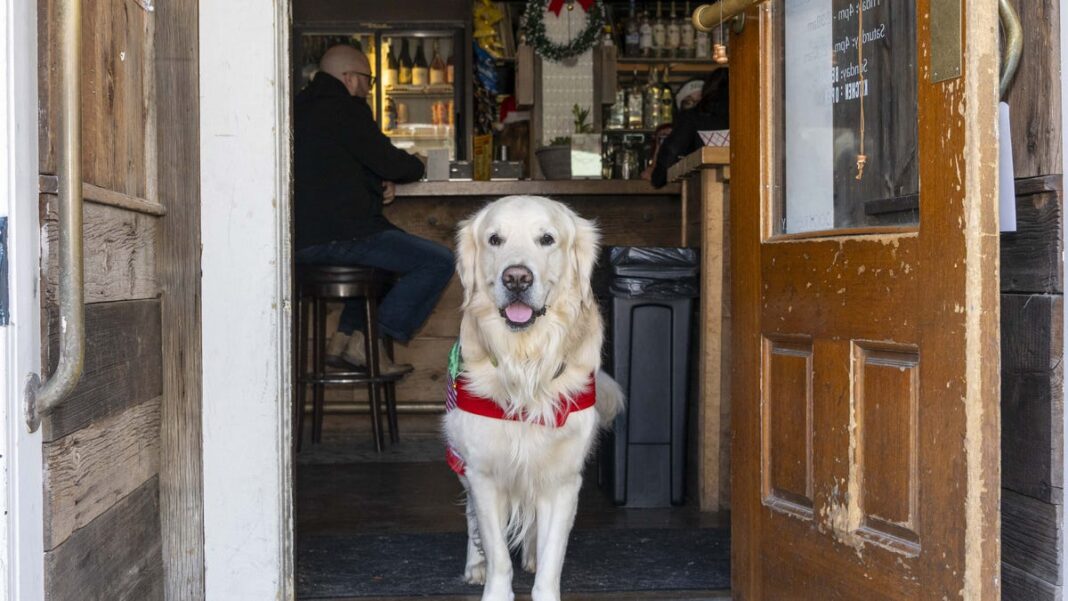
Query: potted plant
585, 146
556, 158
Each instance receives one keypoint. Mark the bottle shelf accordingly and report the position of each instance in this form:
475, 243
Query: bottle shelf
420, 92
663, 60
677, 65
421, 132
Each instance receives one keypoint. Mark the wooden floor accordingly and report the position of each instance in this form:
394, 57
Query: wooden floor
672, 596
410, 494
380, 498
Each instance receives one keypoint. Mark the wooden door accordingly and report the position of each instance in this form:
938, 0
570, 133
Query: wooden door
122, 453
865, 304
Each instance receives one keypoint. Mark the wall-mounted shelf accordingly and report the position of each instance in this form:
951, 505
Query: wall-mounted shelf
420, 135
688, 66
427, 92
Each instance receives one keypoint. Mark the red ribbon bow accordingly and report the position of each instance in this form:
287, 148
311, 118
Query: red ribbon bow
557, 5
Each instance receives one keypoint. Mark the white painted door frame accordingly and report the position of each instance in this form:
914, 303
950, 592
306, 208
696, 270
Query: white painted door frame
245, 223
21, 489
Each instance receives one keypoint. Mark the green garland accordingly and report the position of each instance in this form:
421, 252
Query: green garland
533, 27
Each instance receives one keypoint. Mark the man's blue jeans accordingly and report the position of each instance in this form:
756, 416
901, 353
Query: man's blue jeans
423, 269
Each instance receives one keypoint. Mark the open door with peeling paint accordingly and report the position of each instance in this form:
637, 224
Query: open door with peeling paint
865, 296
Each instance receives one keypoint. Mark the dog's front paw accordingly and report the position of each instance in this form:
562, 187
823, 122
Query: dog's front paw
536, 595
475, 573
545, 593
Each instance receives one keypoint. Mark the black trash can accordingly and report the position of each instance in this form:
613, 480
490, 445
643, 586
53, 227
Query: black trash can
650, 298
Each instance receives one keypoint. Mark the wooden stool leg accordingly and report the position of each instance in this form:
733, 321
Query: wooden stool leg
373, 370
391, 409
319, 352
300, 373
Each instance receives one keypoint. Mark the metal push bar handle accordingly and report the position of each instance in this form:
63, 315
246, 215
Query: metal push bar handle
42, 399
1010, 60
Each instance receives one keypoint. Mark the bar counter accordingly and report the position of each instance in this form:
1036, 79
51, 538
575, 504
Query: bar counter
623, 189
629, 212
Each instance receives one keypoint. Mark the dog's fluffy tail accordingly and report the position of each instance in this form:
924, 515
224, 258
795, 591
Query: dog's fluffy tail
609, 399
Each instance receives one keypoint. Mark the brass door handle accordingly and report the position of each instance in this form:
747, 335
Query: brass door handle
707, 16
41, 399
1010, 58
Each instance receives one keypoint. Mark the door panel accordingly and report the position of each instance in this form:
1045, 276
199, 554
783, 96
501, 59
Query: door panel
102, 445
866, 447
118, 145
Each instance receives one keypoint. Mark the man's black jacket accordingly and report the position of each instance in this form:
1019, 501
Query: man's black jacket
340, 160
685, 138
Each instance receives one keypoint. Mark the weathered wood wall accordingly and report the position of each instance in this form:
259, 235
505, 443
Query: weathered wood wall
1035, 96
1032, 437
102, 446
1032, 288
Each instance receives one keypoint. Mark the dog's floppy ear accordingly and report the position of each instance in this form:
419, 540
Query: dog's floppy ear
467, 255
583, 254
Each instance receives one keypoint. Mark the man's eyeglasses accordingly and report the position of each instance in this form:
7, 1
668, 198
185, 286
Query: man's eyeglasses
370, 78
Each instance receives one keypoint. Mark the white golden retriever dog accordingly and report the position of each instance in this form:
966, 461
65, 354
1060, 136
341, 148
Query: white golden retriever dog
523, 408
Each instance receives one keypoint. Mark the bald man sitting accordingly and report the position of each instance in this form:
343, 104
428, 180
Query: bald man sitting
344, 171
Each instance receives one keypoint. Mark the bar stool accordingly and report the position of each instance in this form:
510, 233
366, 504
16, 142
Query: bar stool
316, 286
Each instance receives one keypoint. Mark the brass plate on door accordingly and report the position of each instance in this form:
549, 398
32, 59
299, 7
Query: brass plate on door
946, 49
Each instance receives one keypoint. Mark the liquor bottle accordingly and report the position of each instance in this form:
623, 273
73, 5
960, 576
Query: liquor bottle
686, 33
420, 69
437, 67
667, 100
389, 76
645, 35
634, 104
617, 116
632, 41
404, 74
659, 31
651, 103
371, 58
702, 45
391, 114
674, 33
608, 39
450, 69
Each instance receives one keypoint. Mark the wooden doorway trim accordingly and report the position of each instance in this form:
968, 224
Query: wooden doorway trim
174, 95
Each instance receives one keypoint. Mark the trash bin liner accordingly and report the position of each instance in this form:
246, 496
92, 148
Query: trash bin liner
653, 272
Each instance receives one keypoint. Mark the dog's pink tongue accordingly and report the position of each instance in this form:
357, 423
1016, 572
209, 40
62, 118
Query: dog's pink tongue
518, 313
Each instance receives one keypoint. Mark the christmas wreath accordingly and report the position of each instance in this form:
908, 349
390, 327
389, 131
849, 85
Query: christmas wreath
533, 28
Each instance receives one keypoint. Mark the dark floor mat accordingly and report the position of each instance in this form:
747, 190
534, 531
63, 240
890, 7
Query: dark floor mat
432, 564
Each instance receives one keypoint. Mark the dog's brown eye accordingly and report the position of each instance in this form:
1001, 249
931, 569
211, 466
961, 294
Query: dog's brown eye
547, 240
495, 240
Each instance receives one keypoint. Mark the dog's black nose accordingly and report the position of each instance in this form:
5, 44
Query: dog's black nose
517, 278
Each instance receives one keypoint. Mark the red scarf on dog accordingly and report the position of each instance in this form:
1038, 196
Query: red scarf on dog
457, 396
